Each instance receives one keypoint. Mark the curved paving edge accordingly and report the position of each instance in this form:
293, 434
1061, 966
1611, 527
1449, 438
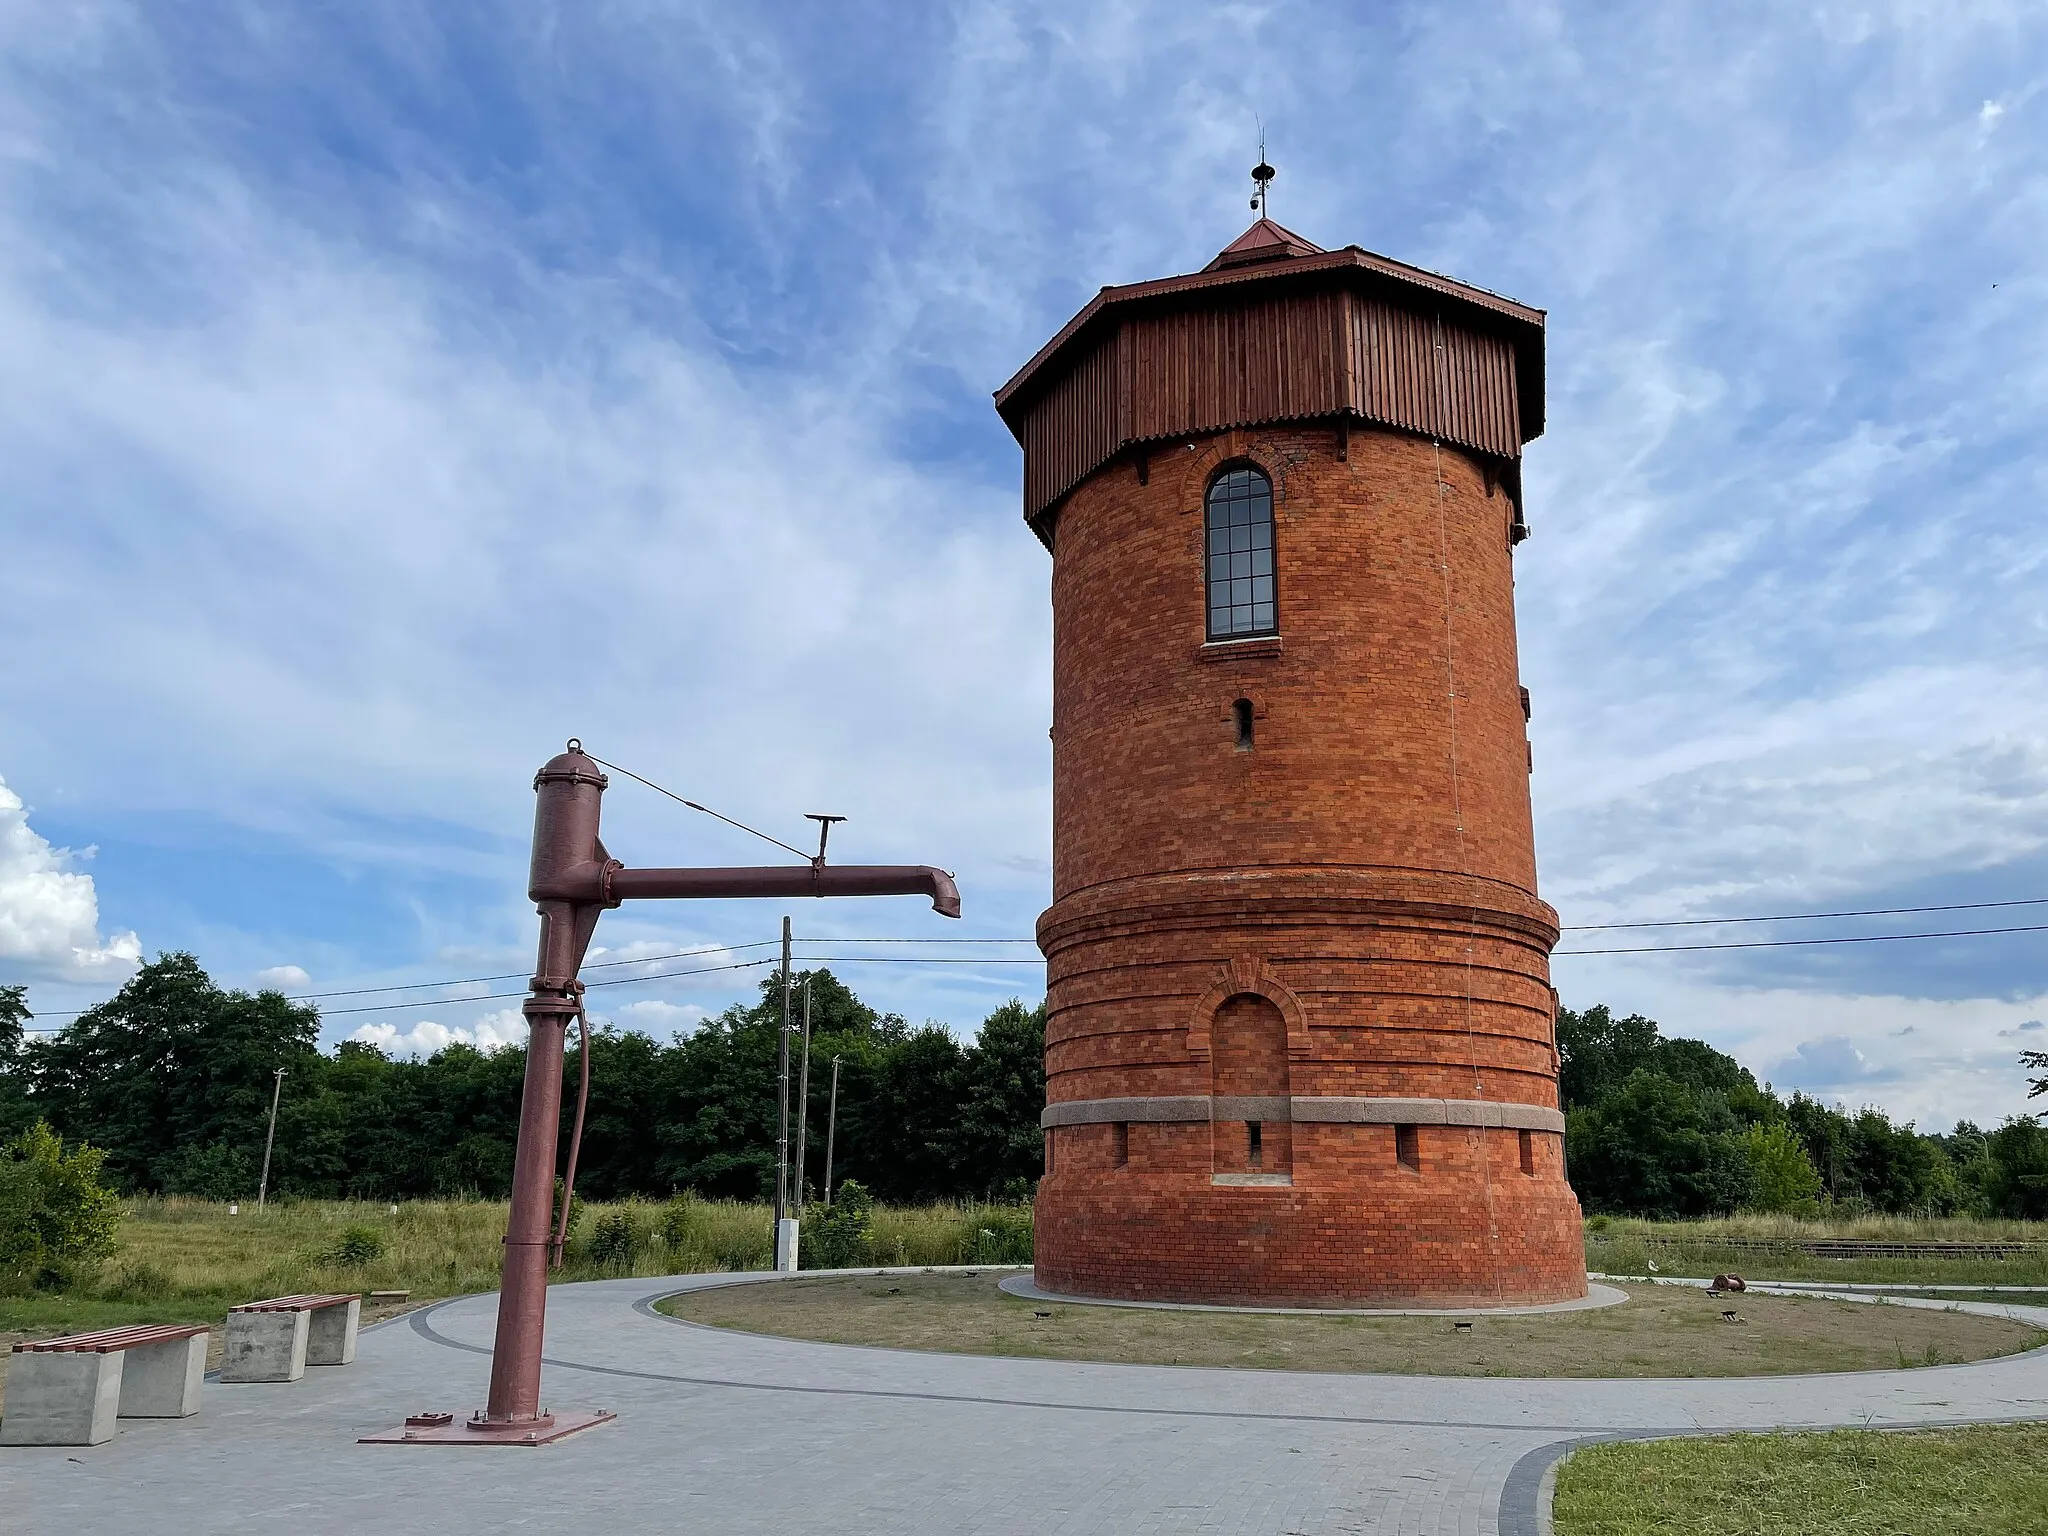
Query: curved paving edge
1025, 1288
1525, 1498
753, 1435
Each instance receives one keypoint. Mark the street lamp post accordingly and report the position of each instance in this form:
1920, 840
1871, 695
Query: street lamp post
574, 880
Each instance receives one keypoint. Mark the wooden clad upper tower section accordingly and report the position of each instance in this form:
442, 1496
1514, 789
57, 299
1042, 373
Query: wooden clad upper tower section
1275, 329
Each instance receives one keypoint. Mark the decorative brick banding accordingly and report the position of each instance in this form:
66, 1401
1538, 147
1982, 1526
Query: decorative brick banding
1532, 1117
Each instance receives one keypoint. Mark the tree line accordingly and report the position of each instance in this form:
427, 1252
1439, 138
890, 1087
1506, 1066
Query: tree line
1672, 1128
171, 1079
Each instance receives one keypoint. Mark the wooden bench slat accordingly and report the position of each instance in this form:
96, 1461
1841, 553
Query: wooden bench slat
111, 1340
297, 1303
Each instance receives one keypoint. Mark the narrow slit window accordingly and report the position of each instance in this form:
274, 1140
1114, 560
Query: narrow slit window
1255, 1153
1408, 1147
1120, 1143
1241, 712
1239, 529
1528, 1151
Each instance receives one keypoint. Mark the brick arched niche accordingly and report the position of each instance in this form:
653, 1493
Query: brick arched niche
1251, 1094
1248, 976
1249, 1027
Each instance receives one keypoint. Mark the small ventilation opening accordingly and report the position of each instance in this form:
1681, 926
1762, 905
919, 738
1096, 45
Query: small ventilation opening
1408, 1147
1255, 1154
1528, 1151
1120, 1143
1241, 712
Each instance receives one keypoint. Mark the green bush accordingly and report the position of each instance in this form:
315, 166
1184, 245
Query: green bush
846, 1233
356, 1247
1782, 1176
615, 1241
680, 1223
1002, 1237
57, 1220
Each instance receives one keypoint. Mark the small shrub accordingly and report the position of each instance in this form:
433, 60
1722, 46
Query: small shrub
845, 1235
1599, 1223
680, 1223
616, 1241
57, 1220
355, 1247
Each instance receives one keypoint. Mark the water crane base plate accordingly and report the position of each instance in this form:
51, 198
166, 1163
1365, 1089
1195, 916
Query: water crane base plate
552, 1427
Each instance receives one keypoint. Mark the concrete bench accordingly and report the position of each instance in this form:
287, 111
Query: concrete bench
276, 1340
69, 1391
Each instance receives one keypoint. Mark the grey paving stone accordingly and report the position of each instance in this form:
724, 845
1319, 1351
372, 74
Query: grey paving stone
733, 1433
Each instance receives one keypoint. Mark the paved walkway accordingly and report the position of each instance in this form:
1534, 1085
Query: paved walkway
725, 1432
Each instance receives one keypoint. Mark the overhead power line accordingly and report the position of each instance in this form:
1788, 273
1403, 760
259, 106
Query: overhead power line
616, 981
591, 965
1865, 938
1802, 917
1646, 949
712, 949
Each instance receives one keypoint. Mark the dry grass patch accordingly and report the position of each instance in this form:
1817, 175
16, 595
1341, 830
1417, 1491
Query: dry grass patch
1659, 1331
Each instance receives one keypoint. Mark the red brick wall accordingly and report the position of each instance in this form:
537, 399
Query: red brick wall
1371, 860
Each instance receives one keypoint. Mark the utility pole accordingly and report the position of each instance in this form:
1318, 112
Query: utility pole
803, 1101
785, 1228
831, 1131
263, 1184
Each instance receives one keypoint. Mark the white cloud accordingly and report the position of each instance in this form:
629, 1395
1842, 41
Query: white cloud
1827, 1063
658, 1018
49, 912
1779, 619
492, 1032
284, 978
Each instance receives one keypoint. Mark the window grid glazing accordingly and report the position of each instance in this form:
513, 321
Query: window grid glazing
1239, 525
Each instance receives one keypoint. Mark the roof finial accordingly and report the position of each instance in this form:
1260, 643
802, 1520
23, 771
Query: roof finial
1262, 178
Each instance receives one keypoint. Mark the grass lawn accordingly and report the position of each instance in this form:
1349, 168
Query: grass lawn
188, 1261
1626, 1246
1986, 1481
1659, 1331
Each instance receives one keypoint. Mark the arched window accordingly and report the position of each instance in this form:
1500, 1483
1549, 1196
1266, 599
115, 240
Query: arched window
1239, 520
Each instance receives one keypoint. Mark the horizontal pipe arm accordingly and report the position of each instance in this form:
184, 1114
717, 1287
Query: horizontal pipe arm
790, 880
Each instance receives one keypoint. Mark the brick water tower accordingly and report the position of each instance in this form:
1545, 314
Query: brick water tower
1300, 1035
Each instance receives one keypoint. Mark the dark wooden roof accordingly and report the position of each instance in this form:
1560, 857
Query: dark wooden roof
1275, 329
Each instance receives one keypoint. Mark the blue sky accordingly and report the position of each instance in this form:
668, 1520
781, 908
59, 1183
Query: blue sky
394, 391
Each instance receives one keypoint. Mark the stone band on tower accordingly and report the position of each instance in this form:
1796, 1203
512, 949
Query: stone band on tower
1300, 1035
